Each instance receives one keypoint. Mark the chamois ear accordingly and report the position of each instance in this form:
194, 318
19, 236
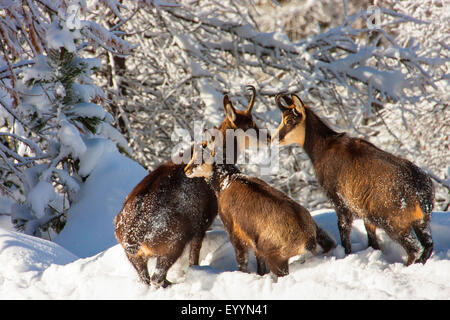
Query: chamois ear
299, 107
229, 109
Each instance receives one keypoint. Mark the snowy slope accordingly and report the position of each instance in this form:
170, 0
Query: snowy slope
85, 261
38, 269
111, 178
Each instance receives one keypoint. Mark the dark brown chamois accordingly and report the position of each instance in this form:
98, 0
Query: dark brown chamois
167, 210
362, 180
162, 214
256, 215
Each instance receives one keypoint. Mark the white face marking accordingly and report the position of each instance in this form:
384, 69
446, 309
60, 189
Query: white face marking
296, 135
203, 171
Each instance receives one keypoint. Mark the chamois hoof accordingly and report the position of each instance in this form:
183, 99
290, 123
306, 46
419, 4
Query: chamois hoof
274, 277
426, 254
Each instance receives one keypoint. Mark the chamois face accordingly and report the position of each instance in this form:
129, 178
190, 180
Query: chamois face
292, 127
201, 163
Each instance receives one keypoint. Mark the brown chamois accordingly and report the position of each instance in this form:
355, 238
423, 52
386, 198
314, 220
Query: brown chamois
362, 180
255, 215
167, 210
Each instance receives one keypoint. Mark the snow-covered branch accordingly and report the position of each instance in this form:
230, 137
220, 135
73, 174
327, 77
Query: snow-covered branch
351, 72
50, 106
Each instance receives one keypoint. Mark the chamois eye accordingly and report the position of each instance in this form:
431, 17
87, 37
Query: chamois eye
290, 122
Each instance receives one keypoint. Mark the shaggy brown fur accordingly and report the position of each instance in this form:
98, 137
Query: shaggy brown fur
166, 211
160, 216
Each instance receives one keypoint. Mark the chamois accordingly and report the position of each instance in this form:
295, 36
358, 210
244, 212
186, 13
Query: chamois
255, 215
362, 180
167, 210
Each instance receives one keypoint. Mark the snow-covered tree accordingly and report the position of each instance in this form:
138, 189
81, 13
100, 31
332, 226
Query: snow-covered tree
50, 107
352, 73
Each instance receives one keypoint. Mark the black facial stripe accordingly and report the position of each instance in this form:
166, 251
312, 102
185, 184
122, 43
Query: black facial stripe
282, 133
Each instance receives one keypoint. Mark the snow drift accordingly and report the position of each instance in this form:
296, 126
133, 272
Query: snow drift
33, 268
85, 261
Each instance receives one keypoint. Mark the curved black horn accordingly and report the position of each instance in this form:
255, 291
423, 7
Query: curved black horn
279, 103
252, 98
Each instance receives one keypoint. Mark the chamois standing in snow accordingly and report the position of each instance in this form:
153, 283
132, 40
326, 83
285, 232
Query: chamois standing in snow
255, 215
167, 210
362, 180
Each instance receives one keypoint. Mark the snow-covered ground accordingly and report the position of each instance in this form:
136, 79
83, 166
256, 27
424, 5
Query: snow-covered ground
85, 261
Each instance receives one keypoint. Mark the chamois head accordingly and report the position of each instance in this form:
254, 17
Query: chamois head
237, 119
241, 121
202, 161
292, 127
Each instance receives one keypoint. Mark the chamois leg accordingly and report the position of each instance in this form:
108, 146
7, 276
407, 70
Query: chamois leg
371, 235
241, 251
345, 220
163, 264
241, 255
140, 264
278, 265
409, 242
196, 245
261, 266
324, 240
423, 233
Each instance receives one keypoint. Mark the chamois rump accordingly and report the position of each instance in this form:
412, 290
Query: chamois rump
363, 181
256, 215
167, 210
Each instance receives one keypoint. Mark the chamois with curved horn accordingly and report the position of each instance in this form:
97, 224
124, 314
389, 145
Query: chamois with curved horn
363, 181
167, 210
